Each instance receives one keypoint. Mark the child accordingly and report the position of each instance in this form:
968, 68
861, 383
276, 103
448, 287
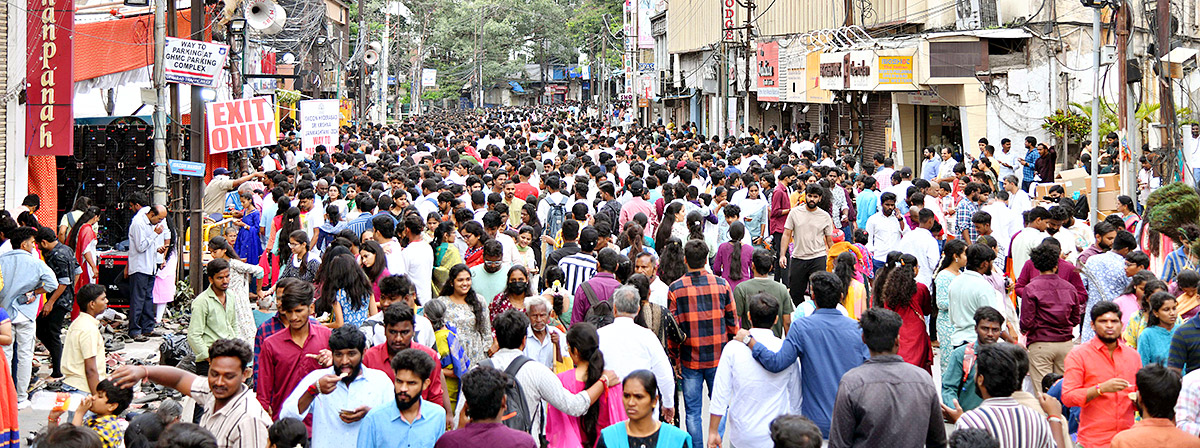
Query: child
1186, 305
287, 433
453, 358
106, 404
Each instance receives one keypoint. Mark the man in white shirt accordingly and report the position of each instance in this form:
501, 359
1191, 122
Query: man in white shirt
1006, 160
804, 145
1191, 152
920, 243
1018, 199
884, 229
628, 346
385, 235
418, 257
647, 264
745, 392
1037, 220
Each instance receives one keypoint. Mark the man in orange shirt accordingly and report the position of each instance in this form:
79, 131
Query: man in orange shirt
1099, 378
1158, 388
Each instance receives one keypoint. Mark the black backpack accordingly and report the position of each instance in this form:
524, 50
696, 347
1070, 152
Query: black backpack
521, 414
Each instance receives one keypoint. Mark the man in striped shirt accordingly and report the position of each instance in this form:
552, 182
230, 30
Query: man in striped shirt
234, 416
1013, 425
581, 267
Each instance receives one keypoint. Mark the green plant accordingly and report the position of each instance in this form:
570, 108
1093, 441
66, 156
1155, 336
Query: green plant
1065, 123
1184, 115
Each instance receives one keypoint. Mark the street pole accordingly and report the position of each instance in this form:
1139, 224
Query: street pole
1166, 94
381, 105
160, 106
196, 153
364, 101
1093, 194
749, 51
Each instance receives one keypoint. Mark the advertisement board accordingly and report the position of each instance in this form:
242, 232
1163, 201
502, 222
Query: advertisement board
240, 124
194, 62
50, 72
767, 73
319, 121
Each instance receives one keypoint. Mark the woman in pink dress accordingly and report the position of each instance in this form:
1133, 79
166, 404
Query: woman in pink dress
565, 431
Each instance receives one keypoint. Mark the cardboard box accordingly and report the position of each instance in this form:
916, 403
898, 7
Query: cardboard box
1043, 190
1108, 182
1080, 184
1107, 200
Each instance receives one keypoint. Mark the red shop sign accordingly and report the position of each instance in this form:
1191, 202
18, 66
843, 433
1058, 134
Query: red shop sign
50, 85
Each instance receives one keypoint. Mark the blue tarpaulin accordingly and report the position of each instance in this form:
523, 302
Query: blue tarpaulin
516, 87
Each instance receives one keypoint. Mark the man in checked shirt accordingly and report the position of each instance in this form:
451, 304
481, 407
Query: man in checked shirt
702, 304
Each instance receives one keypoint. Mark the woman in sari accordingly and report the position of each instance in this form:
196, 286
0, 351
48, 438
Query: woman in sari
475, 236
565, 431
641, 396
82, 240
445, 255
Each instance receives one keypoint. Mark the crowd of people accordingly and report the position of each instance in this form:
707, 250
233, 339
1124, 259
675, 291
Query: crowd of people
529, 277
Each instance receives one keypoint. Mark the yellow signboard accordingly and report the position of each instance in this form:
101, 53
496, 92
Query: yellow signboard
896, 70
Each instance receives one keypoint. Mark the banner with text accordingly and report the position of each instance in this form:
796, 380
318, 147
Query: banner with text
768, 71
319, 121
50, 90
194, 62
240, 124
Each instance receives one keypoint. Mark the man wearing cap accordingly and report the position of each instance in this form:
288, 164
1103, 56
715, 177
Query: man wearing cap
218, 187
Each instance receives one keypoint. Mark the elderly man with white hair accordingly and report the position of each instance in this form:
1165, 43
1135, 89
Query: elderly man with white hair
628, 346
544, 343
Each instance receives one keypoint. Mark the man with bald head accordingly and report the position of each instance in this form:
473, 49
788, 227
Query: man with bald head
147, 233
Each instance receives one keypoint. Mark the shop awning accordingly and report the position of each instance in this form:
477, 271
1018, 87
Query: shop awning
516, 87
115, 46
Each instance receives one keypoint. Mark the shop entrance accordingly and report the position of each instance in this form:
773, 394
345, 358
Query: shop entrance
940, 127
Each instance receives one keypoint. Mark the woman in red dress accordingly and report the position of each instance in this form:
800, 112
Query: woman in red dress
82, 240
899, 291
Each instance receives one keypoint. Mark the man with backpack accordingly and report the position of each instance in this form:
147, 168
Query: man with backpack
552, 209
534, 382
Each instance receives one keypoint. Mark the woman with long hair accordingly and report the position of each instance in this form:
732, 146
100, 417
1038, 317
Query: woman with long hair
1137, 323
275, 259
301, 262
656, 317
445, 255
515, 291
641, 396
633, 241
82, 239
565, 431
901, 293
695, 226
1128, 212
1154, 344
347, 291
475, 236
466, 311
289, 223
954, 259
856, 300
1132, 297
374, 262
431, 224
241, 280
529, 218
526, 255
672, 224
671, 264
557, 295
733, 258
329, 229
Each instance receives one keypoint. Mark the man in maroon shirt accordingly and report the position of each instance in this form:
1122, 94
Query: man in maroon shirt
483, 387
287, 356
1050, 309
1066, 271
781, 204
398, 322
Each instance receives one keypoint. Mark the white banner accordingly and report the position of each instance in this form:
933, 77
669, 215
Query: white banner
428, 77
194, 62
319, 120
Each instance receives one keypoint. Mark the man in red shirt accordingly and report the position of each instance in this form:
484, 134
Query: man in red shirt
398, 322
781, 204
524, 189
1099, 377
287, 356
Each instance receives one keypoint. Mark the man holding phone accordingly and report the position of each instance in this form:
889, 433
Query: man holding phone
338, 397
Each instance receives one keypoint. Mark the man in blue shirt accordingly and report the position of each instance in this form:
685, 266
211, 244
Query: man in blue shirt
828, 345
412, 422
339, 397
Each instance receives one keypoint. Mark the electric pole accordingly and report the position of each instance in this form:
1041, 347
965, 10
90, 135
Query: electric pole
160, 106
382, 103
1166, 97
199, 17
749, 51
